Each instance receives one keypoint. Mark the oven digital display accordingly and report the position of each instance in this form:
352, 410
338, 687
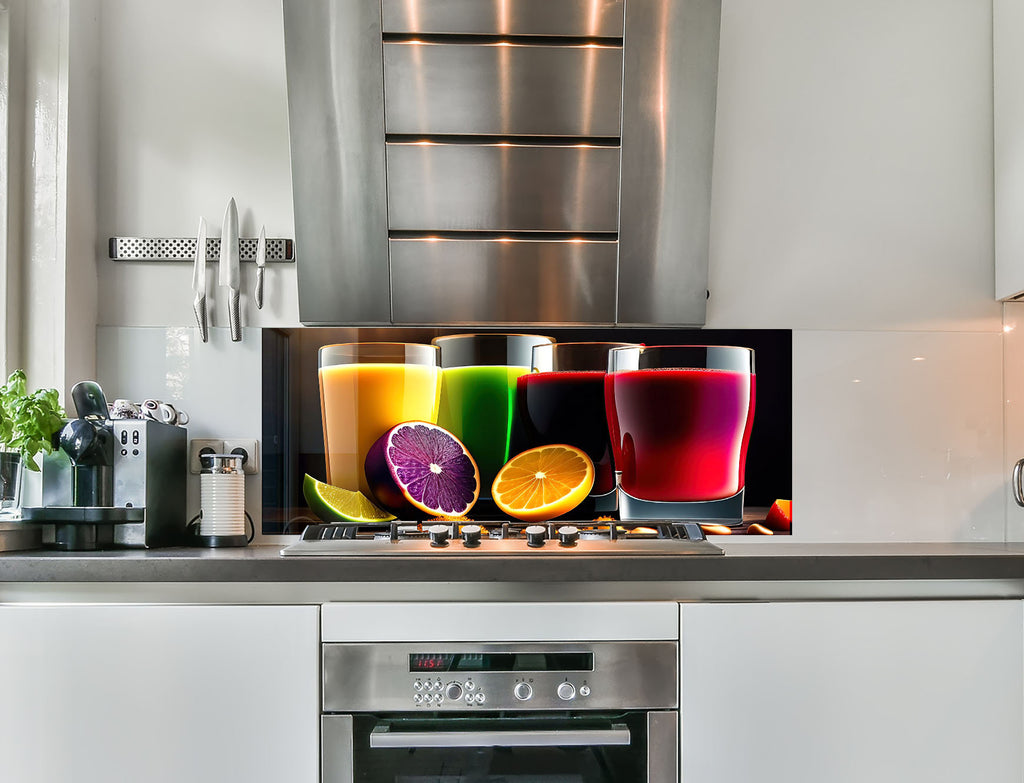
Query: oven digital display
502, 662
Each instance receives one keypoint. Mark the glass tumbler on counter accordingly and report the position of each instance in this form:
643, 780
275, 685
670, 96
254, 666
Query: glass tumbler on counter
478, 396
561, 400
680, 418
365, 389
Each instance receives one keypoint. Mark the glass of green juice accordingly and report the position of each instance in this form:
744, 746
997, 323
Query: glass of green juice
478, 395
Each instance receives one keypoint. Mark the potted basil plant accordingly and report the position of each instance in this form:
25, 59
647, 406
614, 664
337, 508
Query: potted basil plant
28, 423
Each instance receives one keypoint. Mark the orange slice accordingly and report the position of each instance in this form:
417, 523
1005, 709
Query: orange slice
543, 483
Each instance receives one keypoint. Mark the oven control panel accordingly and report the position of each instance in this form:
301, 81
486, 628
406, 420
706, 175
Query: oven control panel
520, 676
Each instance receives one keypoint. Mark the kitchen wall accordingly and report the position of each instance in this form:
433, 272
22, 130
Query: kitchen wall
852, 203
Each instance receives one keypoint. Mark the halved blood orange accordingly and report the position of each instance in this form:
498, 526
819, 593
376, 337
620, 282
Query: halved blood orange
544, 482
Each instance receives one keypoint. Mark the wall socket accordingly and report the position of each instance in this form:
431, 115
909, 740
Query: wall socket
250, 447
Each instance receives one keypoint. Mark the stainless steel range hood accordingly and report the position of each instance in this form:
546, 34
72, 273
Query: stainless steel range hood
501, 161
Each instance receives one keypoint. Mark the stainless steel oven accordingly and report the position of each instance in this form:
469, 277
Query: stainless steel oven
519, 712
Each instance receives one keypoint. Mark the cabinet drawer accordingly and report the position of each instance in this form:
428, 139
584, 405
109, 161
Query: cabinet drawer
502, 187
502, 89
597, 18
503, 281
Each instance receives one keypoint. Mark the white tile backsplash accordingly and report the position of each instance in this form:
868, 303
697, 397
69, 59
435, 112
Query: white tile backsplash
896, 436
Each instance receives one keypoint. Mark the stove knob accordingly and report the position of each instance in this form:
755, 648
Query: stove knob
522, 691
471, 535
535, 535
566, 691
568, 535
453, 691
438, 535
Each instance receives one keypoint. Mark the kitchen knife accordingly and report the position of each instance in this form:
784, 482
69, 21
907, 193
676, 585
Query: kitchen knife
229, 275
261, 262
199, 281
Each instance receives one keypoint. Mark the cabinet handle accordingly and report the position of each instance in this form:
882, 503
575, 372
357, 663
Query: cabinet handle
1018, 488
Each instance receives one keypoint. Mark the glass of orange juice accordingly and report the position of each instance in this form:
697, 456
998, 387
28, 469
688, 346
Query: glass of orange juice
367, 388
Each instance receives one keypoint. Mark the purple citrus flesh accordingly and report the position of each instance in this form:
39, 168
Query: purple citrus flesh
418, 468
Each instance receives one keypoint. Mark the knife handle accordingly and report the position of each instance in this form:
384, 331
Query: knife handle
258, 294
234, 318
199, 306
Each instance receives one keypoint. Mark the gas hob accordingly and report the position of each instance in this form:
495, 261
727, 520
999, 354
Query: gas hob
503, 538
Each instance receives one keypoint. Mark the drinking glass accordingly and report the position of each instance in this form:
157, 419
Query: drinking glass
478, 394
561, 400
365, 389
680, 418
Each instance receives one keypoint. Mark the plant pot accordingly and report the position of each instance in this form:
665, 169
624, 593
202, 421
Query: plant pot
11, 469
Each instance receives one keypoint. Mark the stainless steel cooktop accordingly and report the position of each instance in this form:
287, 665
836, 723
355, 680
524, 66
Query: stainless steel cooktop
501, 538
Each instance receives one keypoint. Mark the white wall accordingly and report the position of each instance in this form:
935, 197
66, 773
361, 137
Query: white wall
852, 203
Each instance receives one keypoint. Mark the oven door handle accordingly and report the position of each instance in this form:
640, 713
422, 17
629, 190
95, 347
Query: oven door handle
382, 737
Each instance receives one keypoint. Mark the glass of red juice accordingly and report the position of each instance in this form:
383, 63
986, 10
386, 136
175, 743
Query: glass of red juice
561, 400
680, 418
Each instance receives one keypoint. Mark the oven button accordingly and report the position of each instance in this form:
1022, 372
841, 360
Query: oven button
522, 691
417, 699
438, 535
453, 691
469, 698
535, 535
470, 685
584, 690
417, 686
479, 698
566, 691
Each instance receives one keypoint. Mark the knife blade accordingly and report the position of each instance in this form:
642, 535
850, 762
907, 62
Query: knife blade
229, 274
261, 262
199, 282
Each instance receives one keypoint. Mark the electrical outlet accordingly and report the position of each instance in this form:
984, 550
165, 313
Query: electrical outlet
250, 449
199, 445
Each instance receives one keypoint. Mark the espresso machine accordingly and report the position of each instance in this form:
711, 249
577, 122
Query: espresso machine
112, 482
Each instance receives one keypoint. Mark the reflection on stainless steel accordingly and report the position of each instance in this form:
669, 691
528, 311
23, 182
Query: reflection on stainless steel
502, 187
336, 113
437, 88
503, 281
668, 127
592, 18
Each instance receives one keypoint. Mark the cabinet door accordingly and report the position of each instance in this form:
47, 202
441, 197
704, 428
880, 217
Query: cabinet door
852, 692
159, 694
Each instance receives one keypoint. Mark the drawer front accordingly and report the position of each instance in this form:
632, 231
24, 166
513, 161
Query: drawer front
596, 18
502, 89
502, 187
496, 281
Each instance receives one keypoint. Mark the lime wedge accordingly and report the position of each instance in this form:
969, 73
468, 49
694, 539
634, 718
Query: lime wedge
334, 504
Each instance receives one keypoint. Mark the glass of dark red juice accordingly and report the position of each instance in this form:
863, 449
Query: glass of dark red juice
680, 418
561, 400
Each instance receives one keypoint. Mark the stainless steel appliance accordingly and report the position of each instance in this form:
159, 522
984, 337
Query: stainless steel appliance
114, 482
481, 161
519, 711
551, 539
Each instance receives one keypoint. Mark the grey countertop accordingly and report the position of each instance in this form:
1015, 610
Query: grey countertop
760, 570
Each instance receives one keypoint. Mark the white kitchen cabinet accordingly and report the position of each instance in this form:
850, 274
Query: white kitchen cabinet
159, 694
849, 692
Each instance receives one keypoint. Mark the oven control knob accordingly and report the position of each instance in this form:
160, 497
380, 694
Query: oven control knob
522, 691
453, 691
584, 690
535, 535
566, 691
471, 535
438, 535
568, 535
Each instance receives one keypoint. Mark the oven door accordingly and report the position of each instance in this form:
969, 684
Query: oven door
633, 747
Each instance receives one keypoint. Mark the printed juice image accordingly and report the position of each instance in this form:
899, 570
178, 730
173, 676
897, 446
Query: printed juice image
477, 406
568, 407
680, 434
359, 402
